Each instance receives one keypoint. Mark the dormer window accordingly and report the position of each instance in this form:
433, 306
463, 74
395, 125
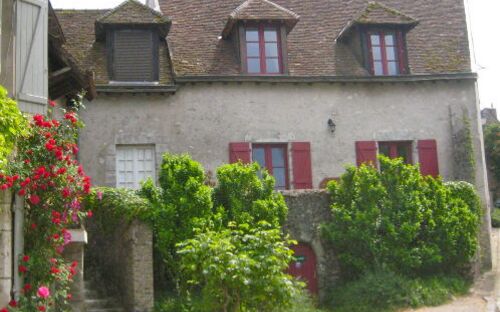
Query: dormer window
262, 47
133, 55
386, 55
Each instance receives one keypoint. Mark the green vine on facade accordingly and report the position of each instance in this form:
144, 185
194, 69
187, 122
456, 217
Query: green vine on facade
13, 125
465, 160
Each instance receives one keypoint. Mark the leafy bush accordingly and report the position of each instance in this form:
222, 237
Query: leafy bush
385, 291
13, 125
492, 147
244, 197
495, 218
240, 268
181, 204
396, 218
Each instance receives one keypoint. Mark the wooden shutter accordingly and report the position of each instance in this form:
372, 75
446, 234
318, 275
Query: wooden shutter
366, 153
239, 151
135, 56
31, 55
302, 169
428, 157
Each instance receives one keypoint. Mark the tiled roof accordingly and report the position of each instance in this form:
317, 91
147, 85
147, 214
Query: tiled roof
263, 10
434, 46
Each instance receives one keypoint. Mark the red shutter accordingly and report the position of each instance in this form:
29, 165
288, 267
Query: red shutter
366, 153
239, 151
302, 169
428, 157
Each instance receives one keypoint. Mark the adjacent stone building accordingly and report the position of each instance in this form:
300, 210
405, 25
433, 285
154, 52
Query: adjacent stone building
302, 87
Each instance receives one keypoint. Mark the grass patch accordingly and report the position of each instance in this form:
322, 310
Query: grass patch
387, 291
495, 218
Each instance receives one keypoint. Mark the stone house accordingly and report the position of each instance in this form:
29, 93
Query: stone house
302, 87
34, 67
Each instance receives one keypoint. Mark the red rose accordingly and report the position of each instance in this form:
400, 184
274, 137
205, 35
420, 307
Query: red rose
41, 308
21, 192
66, 192
74, 264
27, 287
34, 199
23, 269
90, 214
54, 270
56, 236
33, 226
52, 103
4, 310
56, 221
13, 303
69, 296
26, 258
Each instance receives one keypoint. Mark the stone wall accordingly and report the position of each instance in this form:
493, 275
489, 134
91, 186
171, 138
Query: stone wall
5, 248
307, 211
125, 260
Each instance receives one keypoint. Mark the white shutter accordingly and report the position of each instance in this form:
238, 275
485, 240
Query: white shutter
133, 165
31, 54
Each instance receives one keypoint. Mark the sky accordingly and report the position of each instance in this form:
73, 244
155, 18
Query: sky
482, 16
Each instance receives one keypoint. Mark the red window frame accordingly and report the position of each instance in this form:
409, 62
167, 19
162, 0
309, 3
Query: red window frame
262, 48
269, 159
393, 149
399, 50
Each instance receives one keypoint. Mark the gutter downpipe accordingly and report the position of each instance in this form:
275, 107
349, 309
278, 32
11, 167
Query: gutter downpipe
18, 244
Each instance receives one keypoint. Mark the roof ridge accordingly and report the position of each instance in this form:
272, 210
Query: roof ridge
135, 2
277, 6
371, 4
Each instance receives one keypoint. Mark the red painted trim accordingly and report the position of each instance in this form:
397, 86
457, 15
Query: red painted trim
398, 46
302, 165
261, 27
393, 149
385, 63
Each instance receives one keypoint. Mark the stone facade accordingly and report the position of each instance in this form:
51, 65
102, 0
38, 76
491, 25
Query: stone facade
5, 248
125, 258
307, 210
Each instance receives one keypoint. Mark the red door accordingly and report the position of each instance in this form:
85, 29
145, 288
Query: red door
304, 266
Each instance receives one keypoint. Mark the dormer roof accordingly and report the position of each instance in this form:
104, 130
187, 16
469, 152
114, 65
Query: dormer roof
133, 12
376, 13
260, 10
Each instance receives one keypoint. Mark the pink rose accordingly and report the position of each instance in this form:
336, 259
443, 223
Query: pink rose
43, 292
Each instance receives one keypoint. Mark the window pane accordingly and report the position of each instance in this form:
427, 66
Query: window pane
378, 68
273, 66
377, 53
392, 68
384, 149
259, 156
253, 65
278, 157
375, 40
279, 175
272, 49
390, 53
253, 49
403, 152
252, 35
389, 40
270, 35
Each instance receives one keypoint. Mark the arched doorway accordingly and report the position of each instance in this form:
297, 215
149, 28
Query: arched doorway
304, 266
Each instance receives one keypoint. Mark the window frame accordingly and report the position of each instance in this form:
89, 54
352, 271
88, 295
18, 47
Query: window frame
134, 149
393, 149
110, 48
268, 147
261, 27
400, 50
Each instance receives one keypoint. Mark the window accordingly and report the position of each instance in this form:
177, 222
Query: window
274, 158
397, 150
386, 52
133, 165
133, 56
263, 50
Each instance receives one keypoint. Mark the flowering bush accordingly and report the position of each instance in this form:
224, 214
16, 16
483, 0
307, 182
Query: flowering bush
47, 175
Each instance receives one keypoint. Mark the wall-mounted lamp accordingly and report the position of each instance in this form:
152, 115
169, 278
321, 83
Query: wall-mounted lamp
332, 125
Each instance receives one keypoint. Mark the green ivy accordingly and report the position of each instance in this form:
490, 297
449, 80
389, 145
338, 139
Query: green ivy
397, 219
13, 125
492, 146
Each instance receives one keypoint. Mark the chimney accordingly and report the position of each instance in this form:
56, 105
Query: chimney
153, 4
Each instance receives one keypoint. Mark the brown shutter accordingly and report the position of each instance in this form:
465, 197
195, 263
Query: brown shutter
239, 151
366, 153
135, 58
302, 169
428, 157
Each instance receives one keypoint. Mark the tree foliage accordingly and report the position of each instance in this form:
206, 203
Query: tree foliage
397, 219
13, 125
492, 147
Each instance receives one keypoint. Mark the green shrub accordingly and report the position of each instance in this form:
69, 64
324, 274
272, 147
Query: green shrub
181, 204
385, 291
13, 125
396, 218
492, 147
244, 197
241, 268
495, 217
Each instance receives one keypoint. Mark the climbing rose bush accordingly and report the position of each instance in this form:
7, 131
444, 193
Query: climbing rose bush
46, 174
